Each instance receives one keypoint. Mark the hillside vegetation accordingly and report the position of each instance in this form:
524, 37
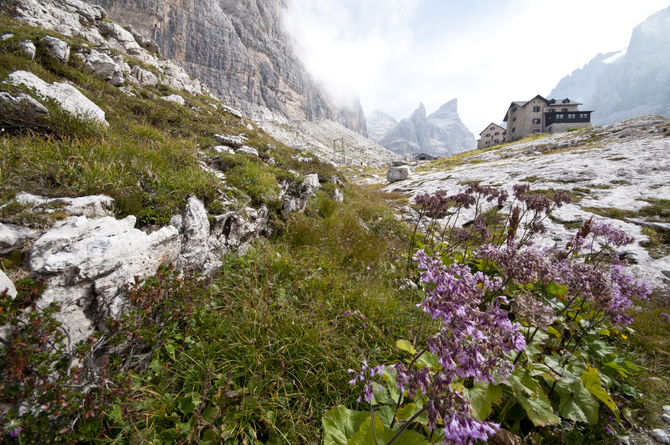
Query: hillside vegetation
343, 325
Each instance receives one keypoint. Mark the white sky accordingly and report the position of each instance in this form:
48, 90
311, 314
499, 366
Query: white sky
394, 54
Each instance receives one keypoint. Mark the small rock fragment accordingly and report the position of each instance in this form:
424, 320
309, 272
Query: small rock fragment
176, 98
28, 49
660, 436
245, 149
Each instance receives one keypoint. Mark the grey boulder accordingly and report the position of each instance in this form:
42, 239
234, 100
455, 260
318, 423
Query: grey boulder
21, 111
143, 77
399, 173
56, 48
28, 49
15, 237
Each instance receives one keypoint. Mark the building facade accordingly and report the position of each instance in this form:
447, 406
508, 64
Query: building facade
492, 135
540, 115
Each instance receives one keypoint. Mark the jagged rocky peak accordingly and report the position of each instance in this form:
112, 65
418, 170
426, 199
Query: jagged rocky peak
378, 124
441, 133
240, 50
625, 84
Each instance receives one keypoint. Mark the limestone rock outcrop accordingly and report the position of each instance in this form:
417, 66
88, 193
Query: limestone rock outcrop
56, 48
21, 111
241, 51
67, 96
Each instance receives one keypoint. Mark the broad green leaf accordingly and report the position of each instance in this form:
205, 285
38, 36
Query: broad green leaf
428, 359
553, 331
483, 396
406, 411
383, 434
556, 289
340, 424
591, 379
169, 347
406, 346
605, 332
576, 402
532, 398
390, 377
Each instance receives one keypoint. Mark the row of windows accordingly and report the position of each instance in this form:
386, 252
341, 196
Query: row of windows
488, 135
495, 142
572, 116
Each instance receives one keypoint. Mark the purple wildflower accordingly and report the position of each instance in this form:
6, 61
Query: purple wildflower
366, 376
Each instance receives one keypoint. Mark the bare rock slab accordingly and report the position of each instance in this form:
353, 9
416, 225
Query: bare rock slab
398, 173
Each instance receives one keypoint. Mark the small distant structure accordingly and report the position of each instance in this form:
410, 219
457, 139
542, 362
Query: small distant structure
424, 157
540, 115
492, 135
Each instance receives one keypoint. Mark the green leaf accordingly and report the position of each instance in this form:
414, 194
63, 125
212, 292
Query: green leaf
341, 423
556, 289
383, 434
532, 398
576, 403
115, 414
169, 347
406, 346
428, 360
553, 331
483, 396
591, 379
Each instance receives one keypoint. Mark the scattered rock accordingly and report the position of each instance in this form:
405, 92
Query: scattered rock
6, 284
270, 161
6, 36
85, 263
234, 111
56, 48
302, 159
666, 409
103, 66
15, 237
625, 440
245, 149
21, 111
122, 39
196, 252
176, 98
230, 141
337, 181
660, 436
297, 202
223, 149
28, 49
666, 418
143, 77
398, 173
69, 98
143, 41
93, 206
338, 196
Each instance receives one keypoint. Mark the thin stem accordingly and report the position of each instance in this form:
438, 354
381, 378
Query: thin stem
372, 417
407, 424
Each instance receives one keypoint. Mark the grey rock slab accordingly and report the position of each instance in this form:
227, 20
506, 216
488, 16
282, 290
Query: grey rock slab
6, 36
14, 237
67, 96
338, 196
103, 66
298, 201
223, 149
230, 141
400, 173
6, 284
28, 49
93, 206
666, 409
21, 111
196, 252
143, 77
666, 418
56, 48
176, 98
660, 436
245, 149
86, 262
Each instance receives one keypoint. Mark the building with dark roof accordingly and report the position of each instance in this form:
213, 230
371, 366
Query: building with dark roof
540, 115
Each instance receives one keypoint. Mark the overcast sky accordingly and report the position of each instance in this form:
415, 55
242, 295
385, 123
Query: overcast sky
394, 54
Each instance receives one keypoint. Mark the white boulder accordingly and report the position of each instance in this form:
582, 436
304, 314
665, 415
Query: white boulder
67, 96
93, 206
56, 48
245, 149
103, 66
6, 284
176, 98
230, 141
28, 49
15, 237
143, 77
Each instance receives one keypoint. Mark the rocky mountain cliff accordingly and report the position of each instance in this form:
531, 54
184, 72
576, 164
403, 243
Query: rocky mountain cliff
240, 51
440, 134
379, 123
629, 83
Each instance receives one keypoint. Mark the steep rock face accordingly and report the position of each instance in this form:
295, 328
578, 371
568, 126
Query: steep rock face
629, 83
239, 50
379, 123
440, 134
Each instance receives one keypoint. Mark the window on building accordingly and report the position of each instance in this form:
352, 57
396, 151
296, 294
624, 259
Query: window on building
492, 128
488, 142
497, 133
572, 116
496, 141
488, 135
552, 109
536, 121
513, 129
514, 120
536, 131
536, 109
566, 101
584, 116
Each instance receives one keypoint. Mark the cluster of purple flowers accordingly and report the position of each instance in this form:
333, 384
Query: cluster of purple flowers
366, 376
472, 343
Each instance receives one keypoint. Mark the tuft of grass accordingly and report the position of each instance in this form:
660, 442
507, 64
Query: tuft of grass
611, 212
657, 210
